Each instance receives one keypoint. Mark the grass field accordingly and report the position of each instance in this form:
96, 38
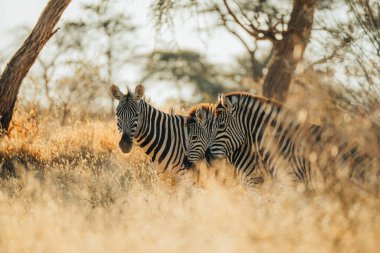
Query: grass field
70, 189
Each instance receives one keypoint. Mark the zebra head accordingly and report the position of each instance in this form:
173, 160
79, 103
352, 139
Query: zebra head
127, 112
201, 129
229, 134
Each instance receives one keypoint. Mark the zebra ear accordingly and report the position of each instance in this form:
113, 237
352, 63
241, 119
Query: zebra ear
201, 117
116, 93
220, 98
225, 102
139, 91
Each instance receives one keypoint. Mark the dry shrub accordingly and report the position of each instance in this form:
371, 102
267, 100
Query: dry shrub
85, 195
346, 128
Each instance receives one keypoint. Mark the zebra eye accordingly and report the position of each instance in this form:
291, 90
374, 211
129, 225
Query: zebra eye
194, 138
222, 125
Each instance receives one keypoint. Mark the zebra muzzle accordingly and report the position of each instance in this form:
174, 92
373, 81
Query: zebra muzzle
187, 163
125, 143
209, 157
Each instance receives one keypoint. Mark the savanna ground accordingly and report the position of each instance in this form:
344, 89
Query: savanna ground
70, 189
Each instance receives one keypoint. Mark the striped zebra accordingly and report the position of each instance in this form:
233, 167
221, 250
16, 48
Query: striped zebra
250, 129
338, 156
235, 140
202, 127
287, 146
254, 122
162, 136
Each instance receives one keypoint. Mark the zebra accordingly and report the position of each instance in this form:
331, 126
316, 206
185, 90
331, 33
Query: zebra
284, 141
343, 157
163, 137
201, 127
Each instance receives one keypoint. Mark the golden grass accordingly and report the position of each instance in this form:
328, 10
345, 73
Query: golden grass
74, 191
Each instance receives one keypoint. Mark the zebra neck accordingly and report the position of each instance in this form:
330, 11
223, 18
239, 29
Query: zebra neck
162, 136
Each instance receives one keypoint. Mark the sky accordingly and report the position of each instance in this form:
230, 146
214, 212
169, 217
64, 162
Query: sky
220, 47
16, 13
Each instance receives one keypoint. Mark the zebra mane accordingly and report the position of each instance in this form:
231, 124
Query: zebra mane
253, 96
129, 92
206, 107
147, 100
172, 110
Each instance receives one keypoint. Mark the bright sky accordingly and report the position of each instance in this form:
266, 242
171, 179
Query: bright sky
15, 13
220, 47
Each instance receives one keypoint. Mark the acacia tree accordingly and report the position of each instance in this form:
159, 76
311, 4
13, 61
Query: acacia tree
286, 26
289, 36
65, 51
20, 63
50, 62
288, 51
80, 90
103, 28
357, 51
105, 20
367, 15
186, 66
229, 19
346, 60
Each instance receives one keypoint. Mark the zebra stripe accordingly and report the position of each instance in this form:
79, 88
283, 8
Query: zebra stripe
271, 131
162, 136
282, 141
201, 128
247, 164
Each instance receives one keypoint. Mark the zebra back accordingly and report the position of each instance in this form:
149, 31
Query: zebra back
163, 137
289, 146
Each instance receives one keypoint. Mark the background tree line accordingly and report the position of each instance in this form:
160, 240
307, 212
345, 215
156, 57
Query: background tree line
329, 47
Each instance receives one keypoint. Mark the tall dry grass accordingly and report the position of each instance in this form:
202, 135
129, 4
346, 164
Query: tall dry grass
70, 189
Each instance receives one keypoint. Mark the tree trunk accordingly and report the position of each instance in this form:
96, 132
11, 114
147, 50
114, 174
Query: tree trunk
20, 63
288, 52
